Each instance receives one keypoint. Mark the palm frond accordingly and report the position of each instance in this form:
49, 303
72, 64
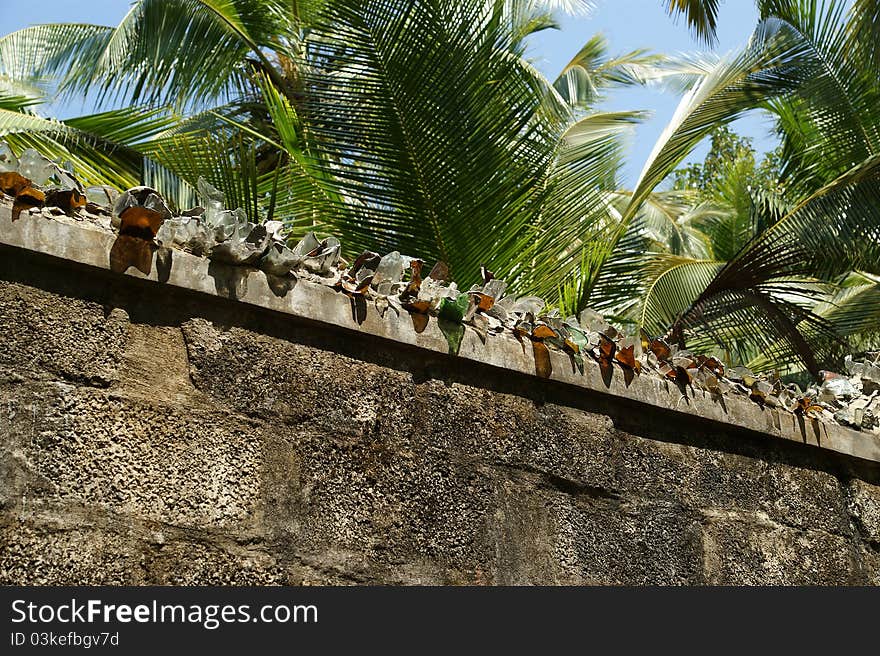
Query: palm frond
148, 58
701, 15
102, 147
576, 218
592, 70
445, 159
833, 231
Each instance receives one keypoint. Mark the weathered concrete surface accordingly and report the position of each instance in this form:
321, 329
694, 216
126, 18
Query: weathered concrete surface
82, 243
153, 435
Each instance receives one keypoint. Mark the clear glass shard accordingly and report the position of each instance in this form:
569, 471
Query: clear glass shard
66, 178
528, 305
495, 288
102, 195
214, 212
35, 167
8, 160
390, 269
837, 389
364, 273
209, 193
385, 288
305, 246
592, 320
279, 260
322, 257
224, 225
157, 204
274, 228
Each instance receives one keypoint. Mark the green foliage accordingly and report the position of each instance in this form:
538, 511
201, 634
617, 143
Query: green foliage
728, 151
701, 15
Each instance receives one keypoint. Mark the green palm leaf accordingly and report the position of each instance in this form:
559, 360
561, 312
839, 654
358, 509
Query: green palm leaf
445, 159
103, 148
701, 15
149, 58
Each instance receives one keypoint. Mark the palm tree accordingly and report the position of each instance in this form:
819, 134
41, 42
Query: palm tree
806, 65
472, 156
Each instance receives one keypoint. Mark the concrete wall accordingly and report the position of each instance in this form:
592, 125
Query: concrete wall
152, 435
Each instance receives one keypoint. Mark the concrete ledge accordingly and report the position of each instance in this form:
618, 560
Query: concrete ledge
89, 245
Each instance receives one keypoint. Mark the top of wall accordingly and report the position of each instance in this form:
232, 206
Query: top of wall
89, 243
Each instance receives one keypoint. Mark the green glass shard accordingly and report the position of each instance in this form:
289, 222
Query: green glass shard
579, 338
453, 310
453, 331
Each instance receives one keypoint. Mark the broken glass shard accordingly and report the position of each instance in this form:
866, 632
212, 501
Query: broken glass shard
742, 375
209, 193
305, 246
324, 257
223, 224
453, 331
102, 195
390, 269
246, 246
439, 272
835, 389
274, 228
528, 305
8, 160
592, 320
141, 197
453, 309
480, 323
279, 260
35, 167
385, 288
66, 178
495, 288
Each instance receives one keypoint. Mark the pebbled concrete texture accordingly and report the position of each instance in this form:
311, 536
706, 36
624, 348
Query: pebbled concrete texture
158, 437
38, 328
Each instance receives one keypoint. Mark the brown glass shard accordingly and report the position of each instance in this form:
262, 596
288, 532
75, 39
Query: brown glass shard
543, 366
25, 195
368, 259
415, 281
607, 347
440, 271
419, 321
626, 357
363, 285
483, 302
805, 406
711, 364
420, 307
543, 331
26, 199
656, 346
128, 251
13, 183
606, 367
68, 200
134, 245
140, 222
682, 375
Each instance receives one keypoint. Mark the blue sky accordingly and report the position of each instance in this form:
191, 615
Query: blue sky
633, 24
627, 24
